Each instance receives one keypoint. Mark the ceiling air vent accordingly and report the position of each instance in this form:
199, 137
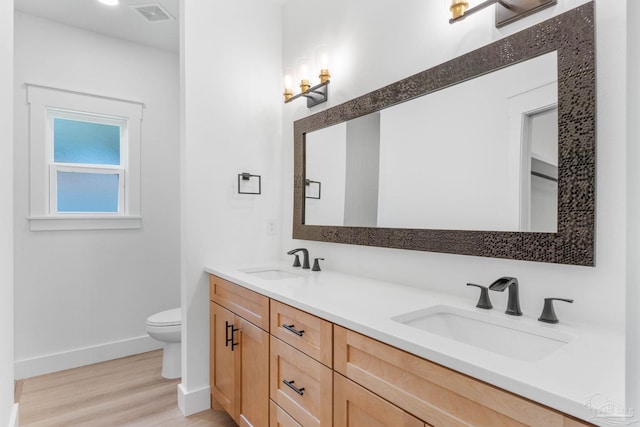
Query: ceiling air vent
153, 12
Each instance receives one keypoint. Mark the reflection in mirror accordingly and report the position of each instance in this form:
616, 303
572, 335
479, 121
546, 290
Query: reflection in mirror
540, 190
480, 155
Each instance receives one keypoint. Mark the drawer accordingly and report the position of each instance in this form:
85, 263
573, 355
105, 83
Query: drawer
244, 302
355, 406
431, 392
312, 404
279, 418
306, 332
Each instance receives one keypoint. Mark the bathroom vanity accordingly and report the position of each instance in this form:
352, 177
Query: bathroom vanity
292, 347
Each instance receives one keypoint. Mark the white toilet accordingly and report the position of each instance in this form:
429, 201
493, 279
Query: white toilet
165, 327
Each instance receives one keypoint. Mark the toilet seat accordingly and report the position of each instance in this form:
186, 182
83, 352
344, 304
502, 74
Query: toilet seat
171, 317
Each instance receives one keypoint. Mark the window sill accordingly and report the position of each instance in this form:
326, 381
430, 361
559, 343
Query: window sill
59, 223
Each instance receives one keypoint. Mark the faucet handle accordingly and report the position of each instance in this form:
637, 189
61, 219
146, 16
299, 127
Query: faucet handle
548, 313
483, 301
316, 264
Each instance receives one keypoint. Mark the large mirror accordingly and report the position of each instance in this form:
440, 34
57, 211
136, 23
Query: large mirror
490, 154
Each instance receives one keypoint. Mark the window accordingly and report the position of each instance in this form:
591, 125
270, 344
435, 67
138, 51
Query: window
87, 163
85, 160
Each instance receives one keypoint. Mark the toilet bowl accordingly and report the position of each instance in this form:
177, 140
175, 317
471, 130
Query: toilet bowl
165, 327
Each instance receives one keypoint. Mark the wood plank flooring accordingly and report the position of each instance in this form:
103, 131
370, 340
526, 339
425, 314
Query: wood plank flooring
124, 392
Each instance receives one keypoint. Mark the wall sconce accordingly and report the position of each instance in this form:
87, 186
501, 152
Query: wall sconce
507, 11
315, 94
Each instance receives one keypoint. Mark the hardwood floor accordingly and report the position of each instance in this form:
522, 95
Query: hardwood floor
124, 392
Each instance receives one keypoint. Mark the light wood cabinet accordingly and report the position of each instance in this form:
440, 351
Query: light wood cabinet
242, 301
355, 406
273, 364
224, 377
279, 418
433, 393
239, 373
300, 385
308, 333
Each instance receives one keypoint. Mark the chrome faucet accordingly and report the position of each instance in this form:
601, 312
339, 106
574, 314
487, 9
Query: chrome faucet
305, 260
513, 302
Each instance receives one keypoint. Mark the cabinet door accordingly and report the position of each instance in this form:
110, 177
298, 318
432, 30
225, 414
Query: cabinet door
224, 364
254, 351
355, 406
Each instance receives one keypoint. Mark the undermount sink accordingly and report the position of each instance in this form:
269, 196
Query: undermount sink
514, 338
273, 274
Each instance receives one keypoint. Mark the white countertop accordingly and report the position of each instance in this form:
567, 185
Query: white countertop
590, 368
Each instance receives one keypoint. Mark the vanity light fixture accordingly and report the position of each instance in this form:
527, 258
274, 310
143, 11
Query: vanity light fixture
315, 94
507, 11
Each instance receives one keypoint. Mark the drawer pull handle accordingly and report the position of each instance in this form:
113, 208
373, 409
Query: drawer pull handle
227, 340
233, 338
300, 391
290, 328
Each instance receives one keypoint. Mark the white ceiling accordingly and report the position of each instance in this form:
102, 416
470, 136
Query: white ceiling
116, 21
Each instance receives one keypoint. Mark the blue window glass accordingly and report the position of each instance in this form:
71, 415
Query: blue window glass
87, 192
85, 142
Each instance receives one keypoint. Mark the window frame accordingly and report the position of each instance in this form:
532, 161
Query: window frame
47, 103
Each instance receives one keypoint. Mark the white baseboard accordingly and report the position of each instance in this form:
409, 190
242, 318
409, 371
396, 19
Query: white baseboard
13, 421
40, 365
194, 401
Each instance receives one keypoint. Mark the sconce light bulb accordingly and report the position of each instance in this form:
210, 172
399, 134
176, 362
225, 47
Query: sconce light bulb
304, 85
322, 62
288, 87
458, 8
322, 59
288, 82
303, 70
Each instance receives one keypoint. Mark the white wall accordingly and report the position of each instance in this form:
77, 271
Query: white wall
6, 215
373, 44
231, 107
83, 296
633, 207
